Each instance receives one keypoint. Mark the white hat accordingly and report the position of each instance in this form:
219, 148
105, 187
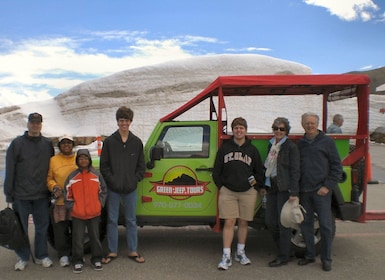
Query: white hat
291, 214
65, 136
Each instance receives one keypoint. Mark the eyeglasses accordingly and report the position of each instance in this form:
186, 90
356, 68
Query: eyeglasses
275, 128
65, 142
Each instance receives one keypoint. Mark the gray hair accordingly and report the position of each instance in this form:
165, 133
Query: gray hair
337, 118
309, 114
284, 121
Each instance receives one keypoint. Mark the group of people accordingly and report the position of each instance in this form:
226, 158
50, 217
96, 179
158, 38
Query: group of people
305, 171
78, 193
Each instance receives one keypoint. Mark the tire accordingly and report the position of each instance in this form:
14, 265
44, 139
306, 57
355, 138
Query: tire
87, 245
298, 242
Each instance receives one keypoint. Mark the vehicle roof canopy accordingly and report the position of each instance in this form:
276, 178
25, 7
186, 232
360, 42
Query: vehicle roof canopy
332, 86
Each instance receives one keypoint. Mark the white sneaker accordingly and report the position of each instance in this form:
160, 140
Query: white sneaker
46, 262
225, 262
20, 265
241, 258
78, 268
98, 266
64, 261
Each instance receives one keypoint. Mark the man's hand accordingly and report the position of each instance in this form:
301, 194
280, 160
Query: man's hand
323, 191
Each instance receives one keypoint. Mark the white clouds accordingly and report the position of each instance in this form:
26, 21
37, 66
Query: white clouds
39, 68
348, 10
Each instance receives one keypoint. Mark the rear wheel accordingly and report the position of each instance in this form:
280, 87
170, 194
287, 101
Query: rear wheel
87, 244
298, 242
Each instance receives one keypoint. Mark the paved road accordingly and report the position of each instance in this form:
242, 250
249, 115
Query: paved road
193, 252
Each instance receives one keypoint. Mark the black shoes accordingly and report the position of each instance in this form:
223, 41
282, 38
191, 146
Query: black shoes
305, 261
326, 266
277, 263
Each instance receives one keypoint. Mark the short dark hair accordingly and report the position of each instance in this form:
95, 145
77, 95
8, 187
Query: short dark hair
124, 113
239, 121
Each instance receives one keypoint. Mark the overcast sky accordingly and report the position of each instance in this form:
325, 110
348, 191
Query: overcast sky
47, 47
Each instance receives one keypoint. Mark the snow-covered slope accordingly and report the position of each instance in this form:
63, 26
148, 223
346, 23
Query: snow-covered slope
152, 92
88, 109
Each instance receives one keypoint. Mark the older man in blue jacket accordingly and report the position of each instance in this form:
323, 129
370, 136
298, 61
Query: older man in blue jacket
320, 171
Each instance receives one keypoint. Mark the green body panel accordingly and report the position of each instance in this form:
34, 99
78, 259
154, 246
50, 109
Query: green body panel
346, 185
176, 186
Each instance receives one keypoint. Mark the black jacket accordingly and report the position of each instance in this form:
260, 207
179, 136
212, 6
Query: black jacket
234, 164
122, 164
27, 163
288, 168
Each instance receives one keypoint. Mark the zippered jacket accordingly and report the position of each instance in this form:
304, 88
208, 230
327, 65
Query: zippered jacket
288, 168
320, 163
60, 167
122, 163
85, 193
27, 163
234, 164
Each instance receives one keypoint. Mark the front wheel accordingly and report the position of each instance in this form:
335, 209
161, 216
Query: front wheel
298, 242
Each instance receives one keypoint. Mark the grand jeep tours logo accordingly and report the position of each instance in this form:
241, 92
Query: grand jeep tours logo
179, 182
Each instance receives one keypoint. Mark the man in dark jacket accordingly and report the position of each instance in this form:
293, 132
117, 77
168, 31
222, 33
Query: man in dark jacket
27, 163
122, 166
238, 174
320, 171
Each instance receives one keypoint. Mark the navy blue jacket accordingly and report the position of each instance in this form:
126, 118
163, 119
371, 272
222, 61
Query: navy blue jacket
27, 163
320, 163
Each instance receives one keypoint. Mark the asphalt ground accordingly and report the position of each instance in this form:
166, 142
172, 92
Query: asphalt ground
193, 252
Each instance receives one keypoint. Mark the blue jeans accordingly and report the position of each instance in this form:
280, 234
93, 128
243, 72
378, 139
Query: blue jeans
321, 205
129, 206
281, 235
39, 208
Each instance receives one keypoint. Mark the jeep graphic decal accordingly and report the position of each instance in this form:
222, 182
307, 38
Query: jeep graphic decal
180, 183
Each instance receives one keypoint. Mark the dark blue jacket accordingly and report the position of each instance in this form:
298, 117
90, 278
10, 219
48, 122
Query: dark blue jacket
288, 168
27, 163
320, 163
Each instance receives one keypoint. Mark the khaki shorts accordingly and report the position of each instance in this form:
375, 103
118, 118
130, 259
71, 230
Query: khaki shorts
233, 205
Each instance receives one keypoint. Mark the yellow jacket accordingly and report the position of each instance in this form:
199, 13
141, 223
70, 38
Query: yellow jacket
60, 166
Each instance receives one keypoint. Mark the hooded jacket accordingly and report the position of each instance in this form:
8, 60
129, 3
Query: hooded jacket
85, 191
27, 163
234, 164
122, 163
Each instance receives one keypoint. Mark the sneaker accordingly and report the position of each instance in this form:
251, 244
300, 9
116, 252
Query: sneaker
241, 258
98, 266
64, 261
225, 263
20, 265
46, 262
78, 268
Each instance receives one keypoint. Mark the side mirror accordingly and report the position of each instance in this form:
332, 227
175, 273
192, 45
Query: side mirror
156, 153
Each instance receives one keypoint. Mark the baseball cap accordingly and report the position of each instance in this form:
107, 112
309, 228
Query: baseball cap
65, 136
35, 117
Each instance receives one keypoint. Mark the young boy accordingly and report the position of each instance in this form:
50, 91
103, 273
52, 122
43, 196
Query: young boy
85, 195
